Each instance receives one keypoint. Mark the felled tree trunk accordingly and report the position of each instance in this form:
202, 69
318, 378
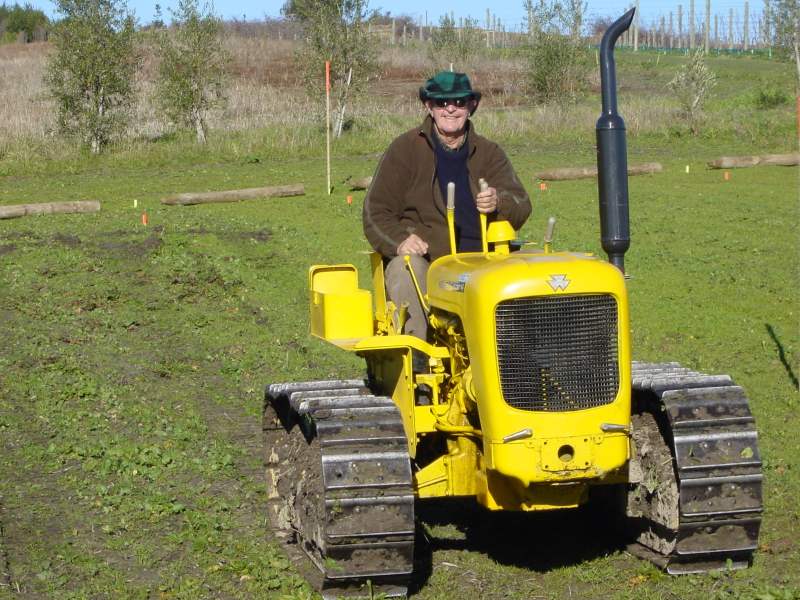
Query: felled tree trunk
48, 208
235, 195
588, 172
741, 162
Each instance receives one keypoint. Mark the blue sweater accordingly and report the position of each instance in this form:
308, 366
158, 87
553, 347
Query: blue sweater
451, 165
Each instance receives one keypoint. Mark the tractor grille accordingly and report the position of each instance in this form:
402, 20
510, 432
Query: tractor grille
558, 353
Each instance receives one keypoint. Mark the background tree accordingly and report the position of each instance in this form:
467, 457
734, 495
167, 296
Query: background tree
557, 61
191, 73
452, 45
692, 86
16, 18
335, 30
91, 70
785, 16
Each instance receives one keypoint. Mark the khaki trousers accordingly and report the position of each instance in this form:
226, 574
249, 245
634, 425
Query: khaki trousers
400, 289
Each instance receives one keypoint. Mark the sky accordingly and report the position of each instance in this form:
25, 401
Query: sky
511, 13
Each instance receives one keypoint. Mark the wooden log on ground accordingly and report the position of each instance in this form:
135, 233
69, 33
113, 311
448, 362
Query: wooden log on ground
588, 172
742, 162
361, 184
48, 208
279, 191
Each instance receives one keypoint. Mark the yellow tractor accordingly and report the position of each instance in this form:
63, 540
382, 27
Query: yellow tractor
529, 399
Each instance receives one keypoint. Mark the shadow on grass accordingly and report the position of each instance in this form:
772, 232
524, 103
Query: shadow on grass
536, 541
782, 355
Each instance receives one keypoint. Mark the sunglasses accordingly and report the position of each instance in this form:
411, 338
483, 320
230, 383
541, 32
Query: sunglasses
445, 102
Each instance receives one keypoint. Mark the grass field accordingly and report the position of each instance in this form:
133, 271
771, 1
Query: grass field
134, 357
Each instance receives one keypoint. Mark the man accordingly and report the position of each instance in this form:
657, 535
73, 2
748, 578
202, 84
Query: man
405, 207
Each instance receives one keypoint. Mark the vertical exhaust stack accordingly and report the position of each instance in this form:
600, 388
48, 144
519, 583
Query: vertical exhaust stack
612, 156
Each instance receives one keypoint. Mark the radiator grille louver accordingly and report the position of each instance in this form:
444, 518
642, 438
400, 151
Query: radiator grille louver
558, 353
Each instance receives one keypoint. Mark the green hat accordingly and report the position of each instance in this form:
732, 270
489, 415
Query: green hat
447, 84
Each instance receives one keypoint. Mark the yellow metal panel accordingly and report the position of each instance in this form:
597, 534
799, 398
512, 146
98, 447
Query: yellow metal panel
471, 286
340, 311
497, 492
454, 474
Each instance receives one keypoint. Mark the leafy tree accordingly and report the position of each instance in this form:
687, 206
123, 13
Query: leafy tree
91, 71
336, 30
692, 85
21, 18
191, 74
558, 64
785, 17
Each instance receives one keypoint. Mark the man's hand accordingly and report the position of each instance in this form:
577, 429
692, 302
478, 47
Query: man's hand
486, 201
413, 244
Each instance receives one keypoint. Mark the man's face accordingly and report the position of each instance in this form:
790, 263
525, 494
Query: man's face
450, 118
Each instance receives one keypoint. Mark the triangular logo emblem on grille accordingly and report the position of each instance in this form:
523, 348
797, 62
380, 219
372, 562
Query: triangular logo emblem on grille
558, 282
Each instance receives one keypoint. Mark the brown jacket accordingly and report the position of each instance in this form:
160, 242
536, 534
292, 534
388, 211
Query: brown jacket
405, 197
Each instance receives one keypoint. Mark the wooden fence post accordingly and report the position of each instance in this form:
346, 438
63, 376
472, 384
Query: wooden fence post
671, 32
716, 35
730, 28
746, 33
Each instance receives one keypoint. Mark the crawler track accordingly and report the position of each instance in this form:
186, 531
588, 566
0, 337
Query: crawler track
704, 422
340, 494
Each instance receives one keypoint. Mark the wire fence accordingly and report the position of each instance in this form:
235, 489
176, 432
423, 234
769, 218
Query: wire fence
680, 30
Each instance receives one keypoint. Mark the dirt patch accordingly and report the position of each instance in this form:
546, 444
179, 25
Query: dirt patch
7, 249
71, 241
133, 248
259, 235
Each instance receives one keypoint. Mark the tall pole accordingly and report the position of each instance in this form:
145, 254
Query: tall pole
488, 26
328, 121
636, 28
730, 29
746, 38
707, 31
716, 30
680, 26
691, 24
671, 32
